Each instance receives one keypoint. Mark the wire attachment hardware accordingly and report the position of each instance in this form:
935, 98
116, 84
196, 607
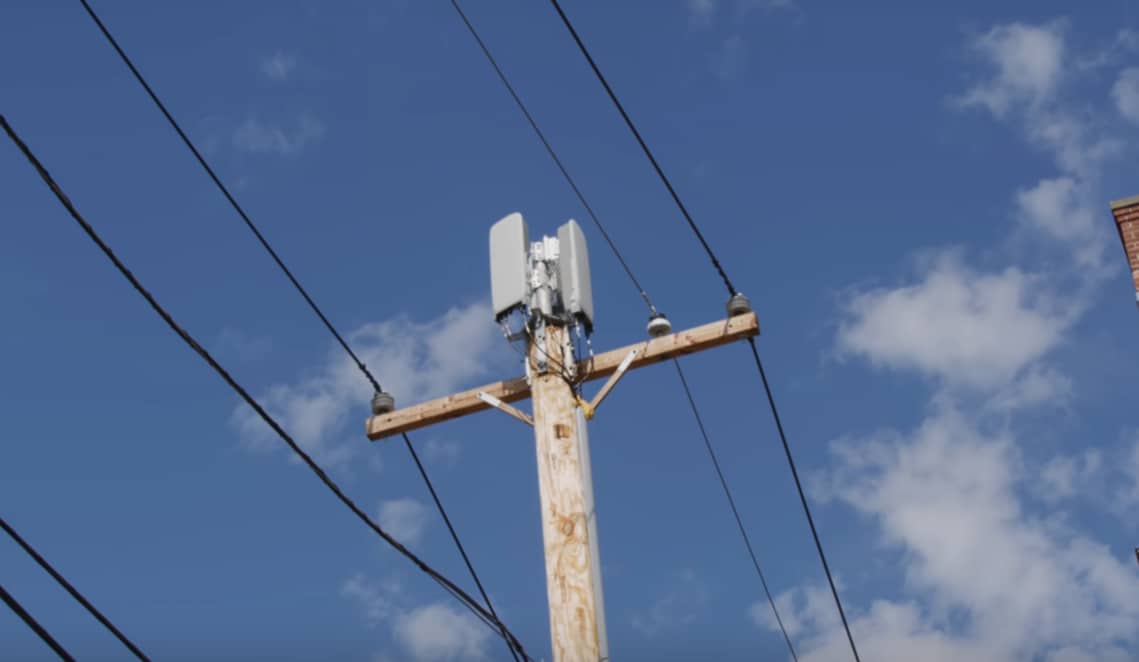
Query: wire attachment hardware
738, 304
587, 409
382, 403
659, 325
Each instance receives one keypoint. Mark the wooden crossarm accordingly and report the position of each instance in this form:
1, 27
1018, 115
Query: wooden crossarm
603, 365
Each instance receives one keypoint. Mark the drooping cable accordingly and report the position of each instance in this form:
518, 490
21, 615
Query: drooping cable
553, 155
645, 148
32, 623
735, 511
455, 537
79, 597
469, 602
276, 259
731, 290
803, 497
225, 191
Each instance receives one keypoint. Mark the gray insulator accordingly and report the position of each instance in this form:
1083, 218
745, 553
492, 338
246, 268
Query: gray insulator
738, 305
382, 403
659, 326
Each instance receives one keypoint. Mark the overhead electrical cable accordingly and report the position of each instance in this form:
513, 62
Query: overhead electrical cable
803, 497
74, 592
732, 291
455, 537
645, 148
470, 603
32, 623
228, 196
628, 270
735, 511
289, 274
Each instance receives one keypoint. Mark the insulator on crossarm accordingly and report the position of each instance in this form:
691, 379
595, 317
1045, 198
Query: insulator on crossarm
382, 403
659, 325
738, 305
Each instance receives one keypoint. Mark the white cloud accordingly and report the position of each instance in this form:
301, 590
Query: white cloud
887, 632
443, 452
800, 609
1063, 477
259, 137
676, 608
731, 60
405, 519
1029, 66
984, 577
1054, 207
241, 345
413, 360
1125, 41
1062, 209
956, 325
1038, 386
439, 633
1027, 63
1128, 497
1069, 137
988, 581
966, 327
1126, 94
703, 13
278, 66
435, 632
375, 600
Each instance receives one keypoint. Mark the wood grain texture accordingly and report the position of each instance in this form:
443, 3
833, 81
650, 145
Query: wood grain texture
572, 568
603, 365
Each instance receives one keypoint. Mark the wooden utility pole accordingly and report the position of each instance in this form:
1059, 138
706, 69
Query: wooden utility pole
549, 281
569, 524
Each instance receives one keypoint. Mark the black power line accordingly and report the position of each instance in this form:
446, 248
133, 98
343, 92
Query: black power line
62, 581
735, 511
34, 625
225, 191
645, 148
727, 282
289, 274
455, 537
802, 496
553, 155
469, 602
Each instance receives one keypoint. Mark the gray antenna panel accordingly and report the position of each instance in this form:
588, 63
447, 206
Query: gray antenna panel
509, 246
573, 273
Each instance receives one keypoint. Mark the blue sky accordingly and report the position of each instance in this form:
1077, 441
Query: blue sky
914, 199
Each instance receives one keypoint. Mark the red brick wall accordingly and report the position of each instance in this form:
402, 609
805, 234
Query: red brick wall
1127, 217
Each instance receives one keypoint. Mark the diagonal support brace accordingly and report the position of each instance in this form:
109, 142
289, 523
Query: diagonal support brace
513, 412
590, 408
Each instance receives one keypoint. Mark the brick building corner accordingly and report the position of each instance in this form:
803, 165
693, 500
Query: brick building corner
1126, 214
